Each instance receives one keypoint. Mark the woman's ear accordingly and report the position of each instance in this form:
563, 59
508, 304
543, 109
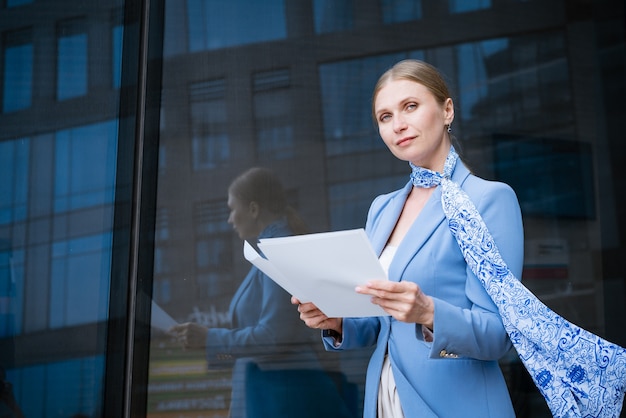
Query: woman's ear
448, 111
254, 209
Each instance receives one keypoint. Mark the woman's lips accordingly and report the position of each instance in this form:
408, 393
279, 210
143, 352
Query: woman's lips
404, 141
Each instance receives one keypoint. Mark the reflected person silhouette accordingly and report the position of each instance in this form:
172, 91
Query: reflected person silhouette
276, 368
8, 404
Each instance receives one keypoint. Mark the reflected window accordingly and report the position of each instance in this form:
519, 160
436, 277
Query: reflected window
79, 282
346, 89
462, 6
507, 83
117, 35
85, 166
215, 24
210, 142
213, 249
333, 15
71, 388
71, 59
273, 114
14, 164
395, 11
14, 3
11, 289
350, 201
17, 80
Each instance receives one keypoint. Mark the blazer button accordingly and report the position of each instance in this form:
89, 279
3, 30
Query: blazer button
445, 354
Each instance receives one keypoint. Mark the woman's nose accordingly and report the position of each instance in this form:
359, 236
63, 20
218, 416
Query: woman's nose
399, 124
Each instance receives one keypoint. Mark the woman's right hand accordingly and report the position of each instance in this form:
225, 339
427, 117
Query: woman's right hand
314, 318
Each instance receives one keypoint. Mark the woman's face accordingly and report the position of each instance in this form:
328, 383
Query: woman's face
243, 217
413, 124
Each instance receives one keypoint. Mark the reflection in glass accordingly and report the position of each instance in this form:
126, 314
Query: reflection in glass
507, 83
17, 80
85, 166
71, 59
272, 114
260, 350
210, 141
14, 157
117, 36
346, 93
215, 24
395, 11
350, 201
13, 3
333, 15
65, 389
462, 6
79, 280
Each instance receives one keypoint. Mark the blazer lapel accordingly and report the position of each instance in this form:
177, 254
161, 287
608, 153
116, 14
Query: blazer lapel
429, 219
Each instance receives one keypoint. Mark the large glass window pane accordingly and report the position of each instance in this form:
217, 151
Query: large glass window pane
58, 189
18, 71
522, 92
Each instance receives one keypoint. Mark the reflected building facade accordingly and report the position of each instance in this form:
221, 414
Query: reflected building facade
538, 89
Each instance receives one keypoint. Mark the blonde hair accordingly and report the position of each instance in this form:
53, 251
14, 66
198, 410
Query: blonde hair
417, 71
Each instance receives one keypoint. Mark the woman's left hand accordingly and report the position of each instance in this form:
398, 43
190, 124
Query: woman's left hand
190, 334
405, 301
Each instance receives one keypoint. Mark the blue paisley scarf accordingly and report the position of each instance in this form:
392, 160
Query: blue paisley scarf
578, 373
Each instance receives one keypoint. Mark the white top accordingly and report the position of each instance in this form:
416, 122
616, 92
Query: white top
388, 399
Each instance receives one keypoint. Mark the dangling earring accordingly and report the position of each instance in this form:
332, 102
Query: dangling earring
449, 126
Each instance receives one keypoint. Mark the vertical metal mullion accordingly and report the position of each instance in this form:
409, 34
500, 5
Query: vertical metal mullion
135, 202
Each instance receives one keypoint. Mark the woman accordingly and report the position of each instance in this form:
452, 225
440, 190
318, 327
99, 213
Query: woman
437, 352
276, 369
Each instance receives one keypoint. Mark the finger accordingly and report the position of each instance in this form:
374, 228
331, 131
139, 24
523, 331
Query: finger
307, 307
295, 300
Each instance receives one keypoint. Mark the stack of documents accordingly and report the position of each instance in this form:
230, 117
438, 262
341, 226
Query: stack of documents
323, 268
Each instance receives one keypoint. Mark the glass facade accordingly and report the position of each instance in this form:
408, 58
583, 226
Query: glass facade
124, 123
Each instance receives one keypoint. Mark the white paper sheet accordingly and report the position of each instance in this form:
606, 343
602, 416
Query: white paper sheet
323, 268
161, 319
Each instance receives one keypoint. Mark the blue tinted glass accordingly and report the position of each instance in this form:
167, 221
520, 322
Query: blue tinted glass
70, 388
333, 15
350, 201
472, 59
13, 180
118, 34
461, 6
80, 280
215, 24
18, 77
346, 89
401, 10
13, 3
72, 66
85, 166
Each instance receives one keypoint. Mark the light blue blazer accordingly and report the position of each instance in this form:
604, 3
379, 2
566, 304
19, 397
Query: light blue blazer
457, 374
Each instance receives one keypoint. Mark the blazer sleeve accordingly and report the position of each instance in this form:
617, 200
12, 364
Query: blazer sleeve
266, 321
478, 332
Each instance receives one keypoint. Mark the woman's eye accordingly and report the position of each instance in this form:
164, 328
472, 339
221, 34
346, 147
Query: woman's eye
411, 106
385, 117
